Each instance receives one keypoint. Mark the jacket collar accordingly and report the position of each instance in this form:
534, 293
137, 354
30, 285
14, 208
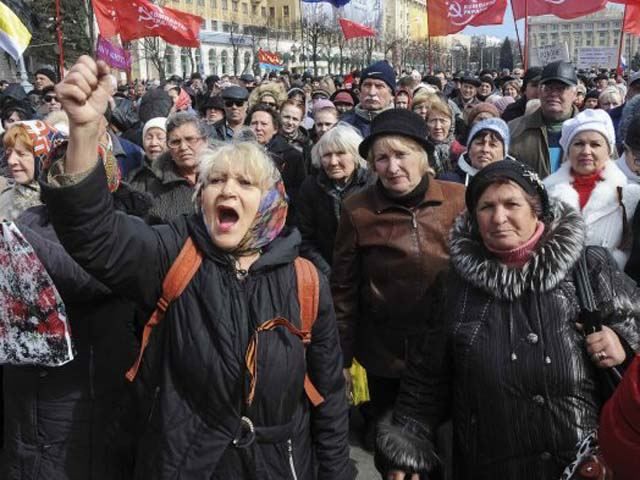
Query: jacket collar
433, 195
557, 252
164, 169
536, 120
604, 197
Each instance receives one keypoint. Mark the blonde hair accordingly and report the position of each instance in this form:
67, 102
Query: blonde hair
395, 142
341, 138
610, 93
441, 107
249, 158
423, 97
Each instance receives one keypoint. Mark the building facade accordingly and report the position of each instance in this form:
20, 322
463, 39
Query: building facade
600, 29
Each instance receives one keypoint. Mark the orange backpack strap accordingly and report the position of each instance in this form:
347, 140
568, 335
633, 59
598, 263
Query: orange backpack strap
309, 299
178, 277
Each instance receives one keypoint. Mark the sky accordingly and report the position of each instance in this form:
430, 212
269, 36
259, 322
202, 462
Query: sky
507, 29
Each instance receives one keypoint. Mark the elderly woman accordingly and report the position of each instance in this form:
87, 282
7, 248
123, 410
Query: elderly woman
62, 422
24, 144
171, 178
511, 88
219, 405
441, 129
341, 173
610, 98
154, 139
507, 361
488, 143
392, 244
593, 184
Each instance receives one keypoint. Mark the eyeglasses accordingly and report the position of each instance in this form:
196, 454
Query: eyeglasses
231, 103
50, 98
190, 141
555, 87
268, 104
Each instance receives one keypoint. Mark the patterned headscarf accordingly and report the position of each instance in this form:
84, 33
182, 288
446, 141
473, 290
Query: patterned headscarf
269, 220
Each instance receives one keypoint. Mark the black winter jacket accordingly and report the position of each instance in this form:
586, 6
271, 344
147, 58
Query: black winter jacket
193, 376
172, 194
58, 421
291, 165
319, 207
507, 363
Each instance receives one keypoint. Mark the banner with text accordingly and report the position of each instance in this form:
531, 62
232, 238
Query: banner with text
597, 57
114, 55
540, 56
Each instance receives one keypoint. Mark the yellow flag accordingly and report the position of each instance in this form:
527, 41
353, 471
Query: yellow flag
14, 36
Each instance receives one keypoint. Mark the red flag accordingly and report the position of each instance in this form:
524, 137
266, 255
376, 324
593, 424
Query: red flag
106, 17
353, 30
446, 16
566, 9
141, 18
631, 22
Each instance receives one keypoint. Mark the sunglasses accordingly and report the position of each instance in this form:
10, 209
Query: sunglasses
231, 103
50, 98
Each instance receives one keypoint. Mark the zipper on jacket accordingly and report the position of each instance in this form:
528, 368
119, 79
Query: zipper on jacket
291, 464
414, 221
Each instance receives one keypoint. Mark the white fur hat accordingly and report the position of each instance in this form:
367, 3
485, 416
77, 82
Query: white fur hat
588, 121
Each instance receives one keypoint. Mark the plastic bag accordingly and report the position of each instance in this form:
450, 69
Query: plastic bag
34, 329
359, 385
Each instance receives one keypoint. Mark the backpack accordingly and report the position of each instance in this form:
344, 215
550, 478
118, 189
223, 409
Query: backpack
180, 274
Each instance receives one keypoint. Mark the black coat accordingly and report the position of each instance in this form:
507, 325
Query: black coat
507, 363
516, 110
172, 194
319, 206
58, 421
291, 165
193, 376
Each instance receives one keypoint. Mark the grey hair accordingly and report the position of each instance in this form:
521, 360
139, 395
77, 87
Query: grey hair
178, 119
341, 138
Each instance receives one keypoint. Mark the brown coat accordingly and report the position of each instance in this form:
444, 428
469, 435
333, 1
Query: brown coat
529, 143
386, 260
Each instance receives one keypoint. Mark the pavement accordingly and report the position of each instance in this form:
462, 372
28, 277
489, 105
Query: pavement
361, 457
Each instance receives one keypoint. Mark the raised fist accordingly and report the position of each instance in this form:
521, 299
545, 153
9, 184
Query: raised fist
85, 92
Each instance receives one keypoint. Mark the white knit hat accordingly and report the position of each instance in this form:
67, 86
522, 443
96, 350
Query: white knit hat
157, 122
588, 121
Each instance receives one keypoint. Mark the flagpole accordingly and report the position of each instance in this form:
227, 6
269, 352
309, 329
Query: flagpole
60, 38
526, 35
515, 22
304, 50
624, 17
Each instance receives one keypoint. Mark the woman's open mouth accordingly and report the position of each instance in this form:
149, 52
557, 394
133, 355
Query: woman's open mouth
227, 218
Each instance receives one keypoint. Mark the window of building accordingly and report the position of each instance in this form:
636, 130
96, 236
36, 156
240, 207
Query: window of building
214, 25
588, 42
185, 61
225, 5
214, 3
577, 26
272, 12
245, 9
264, 11
224, 59
254, 10
169, 60
285, 11
225, 27
554, 28
565, 27
234, 6
213, 62
200, 2
603, 24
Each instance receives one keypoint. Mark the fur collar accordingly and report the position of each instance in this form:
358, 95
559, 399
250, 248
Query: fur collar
556, 254
604, 197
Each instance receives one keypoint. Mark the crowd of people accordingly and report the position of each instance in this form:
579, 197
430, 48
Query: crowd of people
442, 221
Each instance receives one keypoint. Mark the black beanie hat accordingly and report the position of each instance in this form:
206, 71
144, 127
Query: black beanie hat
512, 170
154, 103
397, 121
47, 72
